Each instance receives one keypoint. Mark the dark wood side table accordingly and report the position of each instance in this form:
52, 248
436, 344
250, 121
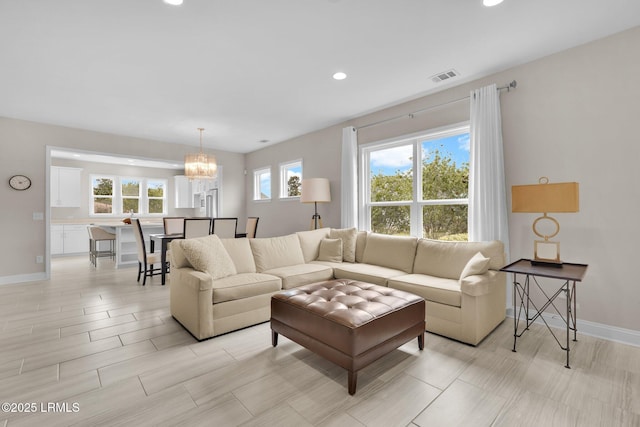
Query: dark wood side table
568, 275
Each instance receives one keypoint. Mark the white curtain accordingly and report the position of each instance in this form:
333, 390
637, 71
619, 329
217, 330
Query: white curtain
349, 190
487, 195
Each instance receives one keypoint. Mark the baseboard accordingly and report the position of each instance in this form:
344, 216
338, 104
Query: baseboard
21, 278
585, 327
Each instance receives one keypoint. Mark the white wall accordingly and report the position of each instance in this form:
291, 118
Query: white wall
23, 151
572, 118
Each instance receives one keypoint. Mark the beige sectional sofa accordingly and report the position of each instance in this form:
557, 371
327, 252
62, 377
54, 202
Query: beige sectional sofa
220, 285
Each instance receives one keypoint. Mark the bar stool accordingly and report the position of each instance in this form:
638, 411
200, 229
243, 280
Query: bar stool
97, 234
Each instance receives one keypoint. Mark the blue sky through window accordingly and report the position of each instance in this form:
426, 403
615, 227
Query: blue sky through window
391, 160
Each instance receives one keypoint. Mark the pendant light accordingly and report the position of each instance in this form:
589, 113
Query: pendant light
201, 165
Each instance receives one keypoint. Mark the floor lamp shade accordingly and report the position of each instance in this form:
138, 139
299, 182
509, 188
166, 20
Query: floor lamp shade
315, 190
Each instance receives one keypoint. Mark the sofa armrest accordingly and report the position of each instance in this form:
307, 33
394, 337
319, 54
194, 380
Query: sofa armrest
191, 300
480, 284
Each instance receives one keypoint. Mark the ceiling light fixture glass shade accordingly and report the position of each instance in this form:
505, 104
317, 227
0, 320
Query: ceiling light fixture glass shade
490, 3
201, 165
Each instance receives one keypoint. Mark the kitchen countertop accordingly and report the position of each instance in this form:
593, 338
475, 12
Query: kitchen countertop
106, 222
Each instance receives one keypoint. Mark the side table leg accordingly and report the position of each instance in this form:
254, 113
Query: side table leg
421, 341
515, 312
568, 298
274, 338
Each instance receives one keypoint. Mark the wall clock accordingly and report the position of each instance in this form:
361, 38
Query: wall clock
20, 182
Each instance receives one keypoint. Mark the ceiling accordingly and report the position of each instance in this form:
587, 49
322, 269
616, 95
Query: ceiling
252, 70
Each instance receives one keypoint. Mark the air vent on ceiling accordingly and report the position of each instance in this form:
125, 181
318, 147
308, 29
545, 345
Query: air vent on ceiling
445, 75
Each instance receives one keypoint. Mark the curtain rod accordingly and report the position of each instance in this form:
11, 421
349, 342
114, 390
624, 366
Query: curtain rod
512, 85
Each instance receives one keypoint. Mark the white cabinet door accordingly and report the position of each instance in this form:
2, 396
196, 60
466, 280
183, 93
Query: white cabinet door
66, 187
184, 192
57, 239
76, 239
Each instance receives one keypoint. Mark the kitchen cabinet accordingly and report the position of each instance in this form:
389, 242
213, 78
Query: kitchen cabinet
69, 239
191, 193
184, 191
65, 187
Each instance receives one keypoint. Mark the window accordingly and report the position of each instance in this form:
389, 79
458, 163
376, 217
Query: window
156, 196
262, 184
102, 195
290, 179
431, 202
130, 195
124, 195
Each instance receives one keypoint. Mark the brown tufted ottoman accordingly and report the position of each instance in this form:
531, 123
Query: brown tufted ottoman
347, 322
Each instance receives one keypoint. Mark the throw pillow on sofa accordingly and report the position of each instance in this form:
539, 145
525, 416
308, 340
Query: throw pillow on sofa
348, 237
330, 250
207, 254
478, 264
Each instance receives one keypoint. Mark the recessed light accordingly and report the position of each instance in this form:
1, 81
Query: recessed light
339, 76
490, 3
263, 141
173, 2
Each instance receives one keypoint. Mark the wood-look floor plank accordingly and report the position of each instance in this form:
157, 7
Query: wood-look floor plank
462, 404
101, 359
123, 328
179, 356
70, 353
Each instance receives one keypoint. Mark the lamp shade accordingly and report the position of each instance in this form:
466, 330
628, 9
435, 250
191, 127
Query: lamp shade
545, 197
315, 190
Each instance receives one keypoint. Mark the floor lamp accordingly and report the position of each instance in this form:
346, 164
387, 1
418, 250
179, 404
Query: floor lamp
315, 190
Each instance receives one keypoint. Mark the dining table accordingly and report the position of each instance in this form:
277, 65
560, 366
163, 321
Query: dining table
164, 240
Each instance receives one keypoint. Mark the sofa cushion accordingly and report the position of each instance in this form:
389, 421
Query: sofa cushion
478, 264
310, 242
396, 252
366, 273
330, 250
301, 274
448, 259
436, 289
348, 237
240, 252
361, 243
276, 252
207, 254
244, 285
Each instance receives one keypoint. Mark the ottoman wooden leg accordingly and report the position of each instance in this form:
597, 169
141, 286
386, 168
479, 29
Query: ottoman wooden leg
421, 341
353, 379
274, 338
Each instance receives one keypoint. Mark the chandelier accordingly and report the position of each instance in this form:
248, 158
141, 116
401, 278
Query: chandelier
200, 166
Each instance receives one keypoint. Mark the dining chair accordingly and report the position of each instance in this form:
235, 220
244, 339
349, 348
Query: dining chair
146, 260
251, 228
97, 234
225, 228
196, 227
173, 224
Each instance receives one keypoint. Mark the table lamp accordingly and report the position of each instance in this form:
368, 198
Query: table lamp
545, 197
315, 190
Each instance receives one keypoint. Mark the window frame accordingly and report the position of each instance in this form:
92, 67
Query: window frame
417, 203
284, 184
118, 198
257, 187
